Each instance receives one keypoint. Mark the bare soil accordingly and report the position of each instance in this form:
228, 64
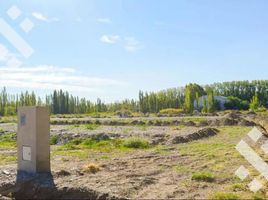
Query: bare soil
163, 171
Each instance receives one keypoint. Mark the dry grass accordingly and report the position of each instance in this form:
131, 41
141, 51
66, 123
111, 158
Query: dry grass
90, 168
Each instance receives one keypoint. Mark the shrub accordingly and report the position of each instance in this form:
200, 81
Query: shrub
124, 113
225, 196
76, 141
72, 144
171, 111
234, 103
136, 143
203, 176
91, 168
254, 103
262, 109
239, 187
54, 139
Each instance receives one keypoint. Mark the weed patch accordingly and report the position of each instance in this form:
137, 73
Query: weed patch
224, 196
91, 126
8, 140
203, 176
136, 143
54, 139
5, 159
91, 168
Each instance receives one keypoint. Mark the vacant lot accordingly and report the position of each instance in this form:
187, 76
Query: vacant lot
144, 158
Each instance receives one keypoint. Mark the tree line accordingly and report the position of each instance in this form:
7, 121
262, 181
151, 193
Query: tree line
241, 95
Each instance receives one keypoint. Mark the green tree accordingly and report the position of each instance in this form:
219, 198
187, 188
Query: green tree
197, 100
254, 104
205, 107
191, 92
211, 102
189, 99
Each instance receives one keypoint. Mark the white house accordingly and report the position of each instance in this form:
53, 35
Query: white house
220, 99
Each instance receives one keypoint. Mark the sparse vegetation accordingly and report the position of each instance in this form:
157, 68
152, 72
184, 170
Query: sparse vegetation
258, 196
136, 143
140, 146
171, 111
91, 168
6, 159
239, 187
54, 139
224, 196
91, 126
107, 145
203, 176
8, 140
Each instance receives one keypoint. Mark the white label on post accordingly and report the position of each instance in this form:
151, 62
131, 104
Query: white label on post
26, 153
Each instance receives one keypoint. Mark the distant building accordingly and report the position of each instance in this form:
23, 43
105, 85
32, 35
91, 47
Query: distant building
221, 100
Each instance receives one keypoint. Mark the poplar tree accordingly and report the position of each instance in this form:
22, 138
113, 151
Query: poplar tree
254, 104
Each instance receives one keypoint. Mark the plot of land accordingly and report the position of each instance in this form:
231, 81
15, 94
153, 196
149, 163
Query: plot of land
139, 160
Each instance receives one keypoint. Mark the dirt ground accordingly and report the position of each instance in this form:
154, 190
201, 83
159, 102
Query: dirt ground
167, 169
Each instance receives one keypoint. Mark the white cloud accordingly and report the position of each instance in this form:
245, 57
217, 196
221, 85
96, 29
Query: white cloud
50, 77
42, 17
104, 20
132, 44
110, 39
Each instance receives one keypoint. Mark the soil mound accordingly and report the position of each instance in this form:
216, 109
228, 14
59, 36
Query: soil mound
202, 133
189, 123
232, 115
244, 122
228, 121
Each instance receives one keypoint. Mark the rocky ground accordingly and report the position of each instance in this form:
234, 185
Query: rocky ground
180, 149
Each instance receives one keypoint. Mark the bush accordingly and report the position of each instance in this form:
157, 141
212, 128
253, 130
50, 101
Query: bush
203, 176
136, 143
262, 109
225, 196
8, 140
76, 141
124, 113
91, 168
234, 103
54, 139
171, 111
72, 144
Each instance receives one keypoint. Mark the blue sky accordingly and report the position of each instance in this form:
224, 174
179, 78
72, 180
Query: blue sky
113, 48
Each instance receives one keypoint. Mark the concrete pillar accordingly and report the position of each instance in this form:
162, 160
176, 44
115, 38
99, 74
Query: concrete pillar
33, 139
